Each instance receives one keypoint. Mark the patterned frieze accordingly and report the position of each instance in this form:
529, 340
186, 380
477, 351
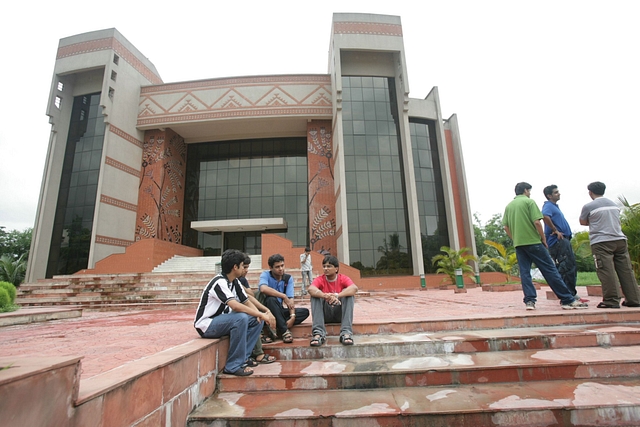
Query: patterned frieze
263, 96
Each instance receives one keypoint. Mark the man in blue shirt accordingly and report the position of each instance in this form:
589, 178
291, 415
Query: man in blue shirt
277, 289
558, 235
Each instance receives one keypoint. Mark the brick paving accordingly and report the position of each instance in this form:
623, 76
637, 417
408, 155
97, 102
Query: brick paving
107, 340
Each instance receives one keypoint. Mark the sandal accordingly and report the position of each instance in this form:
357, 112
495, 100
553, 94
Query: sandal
242, 371
603, 305
265, 339
287, 338
265, 360
346, 339
316, 341
251, 362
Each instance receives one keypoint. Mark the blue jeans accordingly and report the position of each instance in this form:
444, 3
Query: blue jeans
243, 331
562, 253
539, 254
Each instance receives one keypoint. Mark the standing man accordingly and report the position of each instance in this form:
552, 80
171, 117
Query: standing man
558, 235
305, 266
277, 288
521, 221
225, 309
332, 301
609, 248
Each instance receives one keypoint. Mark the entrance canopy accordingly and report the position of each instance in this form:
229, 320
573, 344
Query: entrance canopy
236, 225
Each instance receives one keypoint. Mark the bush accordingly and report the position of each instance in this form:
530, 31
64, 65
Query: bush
5, 299
11, 290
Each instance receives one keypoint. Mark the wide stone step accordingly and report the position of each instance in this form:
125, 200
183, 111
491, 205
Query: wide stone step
585, 402
443, 342
440, 369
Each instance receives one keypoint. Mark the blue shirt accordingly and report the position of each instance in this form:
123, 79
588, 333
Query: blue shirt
266, 278
553, 211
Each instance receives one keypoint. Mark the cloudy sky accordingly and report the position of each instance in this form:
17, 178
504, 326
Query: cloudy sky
546, 92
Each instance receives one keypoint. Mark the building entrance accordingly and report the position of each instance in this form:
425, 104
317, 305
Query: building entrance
249, 242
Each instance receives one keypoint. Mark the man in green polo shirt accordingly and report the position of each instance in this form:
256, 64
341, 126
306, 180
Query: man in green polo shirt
521, 221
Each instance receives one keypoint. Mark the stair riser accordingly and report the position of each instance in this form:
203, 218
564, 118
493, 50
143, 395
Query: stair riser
435, 377
583, 417
440, 347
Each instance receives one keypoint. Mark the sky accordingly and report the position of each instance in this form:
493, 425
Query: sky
546, 92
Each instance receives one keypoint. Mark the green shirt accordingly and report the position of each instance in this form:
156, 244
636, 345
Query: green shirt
519, 216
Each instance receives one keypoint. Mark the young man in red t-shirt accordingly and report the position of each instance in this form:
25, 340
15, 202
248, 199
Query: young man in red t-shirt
332, 301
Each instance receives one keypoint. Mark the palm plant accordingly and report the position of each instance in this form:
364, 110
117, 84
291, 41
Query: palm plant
452, 260
13, 271
506, 260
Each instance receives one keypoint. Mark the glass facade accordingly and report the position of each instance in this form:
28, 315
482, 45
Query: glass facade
265, 178
376, 202
78, 188
426, 165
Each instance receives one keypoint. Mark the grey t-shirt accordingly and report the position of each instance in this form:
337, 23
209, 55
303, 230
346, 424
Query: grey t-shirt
604, 220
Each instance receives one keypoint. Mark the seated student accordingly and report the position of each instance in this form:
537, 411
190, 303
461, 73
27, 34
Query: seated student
277, 289
332, 301
257, 354
225, 309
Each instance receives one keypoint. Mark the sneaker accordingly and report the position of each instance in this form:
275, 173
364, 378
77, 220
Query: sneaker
574, 305
530, 305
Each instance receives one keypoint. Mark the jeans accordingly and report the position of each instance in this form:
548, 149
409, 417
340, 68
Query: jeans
562, 253
282, 314
318, 316
306, 281
539, 254
612, 259
243, 331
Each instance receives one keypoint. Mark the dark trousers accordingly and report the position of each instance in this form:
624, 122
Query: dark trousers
282, 314
562, 253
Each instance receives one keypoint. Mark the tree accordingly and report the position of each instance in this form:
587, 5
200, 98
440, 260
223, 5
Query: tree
11, 270
452, 260
494, 231
14, 243
506, 260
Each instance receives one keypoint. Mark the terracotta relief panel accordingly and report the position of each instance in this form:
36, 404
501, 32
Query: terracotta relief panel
322, 199
161, 192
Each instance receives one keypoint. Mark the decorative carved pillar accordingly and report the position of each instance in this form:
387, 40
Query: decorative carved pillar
161, 192
322, 198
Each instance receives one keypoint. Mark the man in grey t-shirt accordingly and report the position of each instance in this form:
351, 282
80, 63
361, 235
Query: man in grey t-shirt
609, 248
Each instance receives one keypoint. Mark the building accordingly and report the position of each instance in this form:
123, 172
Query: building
344, 162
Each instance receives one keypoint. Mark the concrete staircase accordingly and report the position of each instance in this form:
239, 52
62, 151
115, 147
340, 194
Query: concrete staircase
584, 373
177, 283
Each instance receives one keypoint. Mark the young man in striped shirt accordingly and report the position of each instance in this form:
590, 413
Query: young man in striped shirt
225, 309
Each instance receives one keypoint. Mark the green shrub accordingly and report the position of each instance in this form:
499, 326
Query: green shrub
5, 299
11, 290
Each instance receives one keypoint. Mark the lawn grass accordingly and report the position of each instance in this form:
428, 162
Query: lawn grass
584, 279
587, 278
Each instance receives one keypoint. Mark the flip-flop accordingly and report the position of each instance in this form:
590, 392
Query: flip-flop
346, 339
266, 359
240, 372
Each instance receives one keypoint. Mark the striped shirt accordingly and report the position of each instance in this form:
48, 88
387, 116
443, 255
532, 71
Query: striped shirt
213, 301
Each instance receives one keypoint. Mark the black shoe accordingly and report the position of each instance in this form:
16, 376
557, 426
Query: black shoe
626, 304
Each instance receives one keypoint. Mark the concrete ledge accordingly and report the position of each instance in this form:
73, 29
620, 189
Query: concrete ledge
33, 315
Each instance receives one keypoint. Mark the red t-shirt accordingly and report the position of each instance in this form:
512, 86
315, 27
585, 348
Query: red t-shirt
341, 282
